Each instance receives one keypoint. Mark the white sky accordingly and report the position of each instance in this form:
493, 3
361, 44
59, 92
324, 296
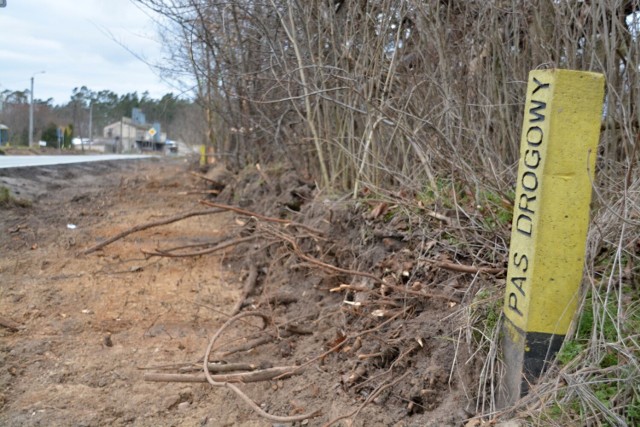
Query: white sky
76, 43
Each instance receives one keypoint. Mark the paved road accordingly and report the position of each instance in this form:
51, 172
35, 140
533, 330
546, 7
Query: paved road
27, 161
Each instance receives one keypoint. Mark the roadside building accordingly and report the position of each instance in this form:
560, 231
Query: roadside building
133, 134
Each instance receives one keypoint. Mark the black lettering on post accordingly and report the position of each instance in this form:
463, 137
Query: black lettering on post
524, 201
524, 224
534, 136
513, 303
518, 282
539, 85
536, 111
523, 259
529, 181
536, 158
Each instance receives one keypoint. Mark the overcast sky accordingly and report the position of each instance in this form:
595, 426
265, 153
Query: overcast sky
76, 43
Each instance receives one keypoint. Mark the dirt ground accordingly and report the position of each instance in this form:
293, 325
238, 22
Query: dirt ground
88, 328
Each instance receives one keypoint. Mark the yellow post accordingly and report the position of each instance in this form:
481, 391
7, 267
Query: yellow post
203, 155
560, 135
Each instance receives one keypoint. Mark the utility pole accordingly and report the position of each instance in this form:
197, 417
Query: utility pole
31, 110
90, 121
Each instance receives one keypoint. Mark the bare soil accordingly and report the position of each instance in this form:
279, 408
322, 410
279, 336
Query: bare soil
88, 328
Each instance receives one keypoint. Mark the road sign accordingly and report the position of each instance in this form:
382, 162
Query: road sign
152, 131
560, 135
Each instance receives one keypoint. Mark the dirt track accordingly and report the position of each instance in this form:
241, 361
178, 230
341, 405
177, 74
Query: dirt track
91, 326
90, 322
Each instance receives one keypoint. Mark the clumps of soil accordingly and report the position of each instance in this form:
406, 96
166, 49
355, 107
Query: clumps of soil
378, 288
278, 191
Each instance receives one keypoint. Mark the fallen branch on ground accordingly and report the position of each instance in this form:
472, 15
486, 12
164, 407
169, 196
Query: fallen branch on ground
226, 380
148, 225
192, 246
221, 367
218, 247
249, 345
249, 286
240, 377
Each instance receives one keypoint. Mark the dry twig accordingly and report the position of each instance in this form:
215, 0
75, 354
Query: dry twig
148, 225
218, 247
240, 377
249, 286
217, 368
249, 345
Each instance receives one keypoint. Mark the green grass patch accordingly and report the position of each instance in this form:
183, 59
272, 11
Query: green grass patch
7, 200
487, 308
569, 351
496, 209
446, 194
602, 358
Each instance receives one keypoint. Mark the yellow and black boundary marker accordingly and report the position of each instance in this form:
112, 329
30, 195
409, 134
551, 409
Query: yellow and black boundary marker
560, 134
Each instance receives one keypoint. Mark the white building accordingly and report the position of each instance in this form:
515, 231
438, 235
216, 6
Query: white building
134, 134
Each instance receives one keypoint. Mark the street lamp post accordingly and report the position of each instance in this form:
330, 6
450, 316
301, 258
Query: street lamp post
31, 110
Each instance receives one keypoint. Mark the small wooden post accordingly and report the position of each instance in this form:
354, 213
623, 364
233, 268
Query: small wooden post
203, 155
560, 135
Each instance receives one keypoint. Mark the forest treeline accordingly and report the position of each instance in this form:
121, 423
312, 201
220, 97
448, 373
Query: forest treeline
179, 117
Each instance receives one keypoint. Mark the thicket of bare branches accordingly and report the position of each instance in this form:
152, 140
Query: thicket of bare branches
393, 92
